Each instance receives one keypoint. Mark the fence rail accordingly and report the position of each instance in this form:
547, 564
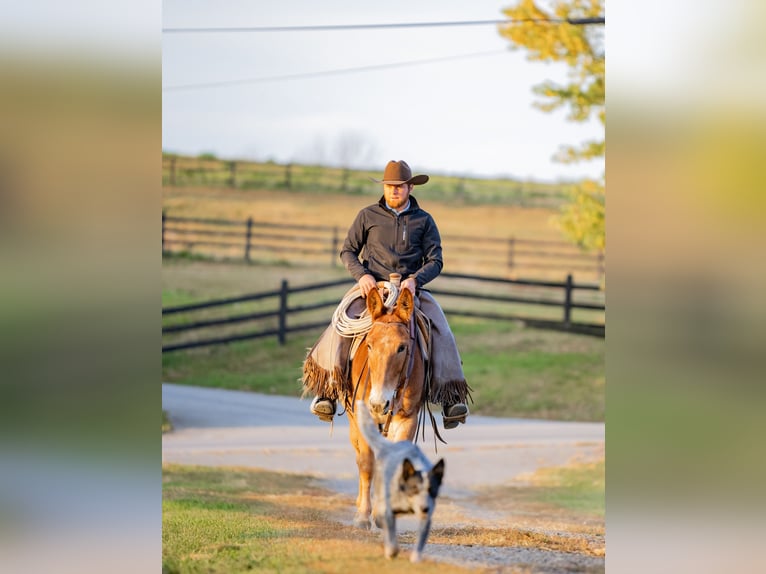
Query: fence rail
505, 306
258, 240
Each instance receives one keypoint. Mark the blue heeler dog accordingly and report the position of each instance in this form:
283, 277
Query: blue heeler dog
404, 482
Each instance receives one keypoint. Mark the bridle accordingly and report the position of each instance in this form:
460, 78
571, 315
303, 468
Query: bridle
404, 377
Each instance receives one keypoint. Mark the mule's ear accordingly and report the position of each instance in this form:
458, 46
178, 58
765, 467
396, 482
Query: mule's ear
405, 304
375, 304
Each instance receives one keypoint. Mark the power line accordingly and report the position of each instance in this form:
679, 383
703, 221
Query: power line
328, 27
225, 83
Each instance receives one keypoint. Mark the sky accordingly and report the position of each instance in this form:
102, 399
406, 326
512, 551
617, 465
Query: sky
470, 112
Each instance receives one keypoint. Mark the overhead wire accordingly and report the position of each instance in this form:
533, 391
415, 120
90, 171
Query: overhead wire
337, 27
298, 76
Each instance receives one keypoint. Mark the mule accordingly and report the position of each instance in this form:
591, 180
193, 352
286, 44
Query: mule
388, 374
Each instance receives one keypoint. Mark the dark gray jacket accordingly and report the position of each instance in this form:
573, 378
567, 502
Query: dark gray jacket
408, 243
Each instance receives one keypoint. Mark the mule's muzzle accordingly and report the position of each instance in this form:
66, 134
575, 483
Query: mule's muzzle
380, 409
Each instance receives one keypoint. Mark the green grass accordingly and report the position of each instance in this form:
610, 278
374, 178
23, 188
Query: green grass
262, 366
575, 493
580, 488
528, 373
531, 373
177, 298
210, 526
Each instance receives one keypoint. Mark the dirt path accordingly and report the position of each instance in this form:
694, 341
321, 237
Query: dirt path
214, 427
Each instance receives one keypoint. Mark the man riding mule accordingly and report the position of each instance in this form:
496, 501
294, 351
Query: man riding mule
393, 236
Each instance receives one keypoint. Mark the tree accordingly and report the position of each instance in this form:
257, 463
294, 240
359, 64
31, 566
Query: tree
554, 35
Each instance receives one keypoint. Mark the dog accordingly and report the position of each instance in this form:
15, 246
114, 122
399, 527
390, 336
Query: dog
404, 482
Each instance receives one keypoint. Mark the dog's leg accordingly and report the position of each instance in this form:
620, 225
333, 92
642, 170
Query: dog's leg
423, 531
390, 547
378, 517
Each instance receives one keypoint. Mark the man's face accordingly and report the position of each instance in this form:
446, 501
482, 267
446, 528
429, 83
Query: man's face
397, 195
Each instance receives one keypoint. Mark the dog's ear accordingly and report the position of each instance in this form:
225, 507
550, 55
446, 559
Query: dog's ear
408, 471
375, 305
411, 481
435, 476
404, 306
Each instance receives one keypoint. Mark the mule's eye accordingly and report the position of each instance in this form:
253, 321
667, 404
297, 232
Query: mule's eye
369, 346
400, 349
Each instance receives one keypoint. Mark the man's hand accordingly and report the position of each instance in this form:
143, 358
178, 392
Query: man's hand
366, 284
410, 284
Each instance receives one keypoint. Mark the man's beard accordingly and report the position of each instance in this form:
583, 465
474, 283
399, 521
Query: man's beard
397, 203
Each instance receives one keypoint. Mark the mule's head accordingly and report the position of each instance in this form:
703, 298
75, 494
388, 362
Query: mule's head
388, 348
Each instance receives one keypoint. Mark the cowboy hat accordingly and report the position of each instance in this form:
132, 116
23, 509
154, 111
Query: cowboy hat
398, 172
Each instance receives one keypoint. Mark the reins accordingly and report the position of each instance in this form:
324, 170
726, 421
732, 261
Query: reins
404, 377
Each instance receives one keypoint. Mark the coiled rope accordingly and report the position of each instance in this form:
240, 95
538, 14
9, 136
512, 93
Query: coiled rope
351, 327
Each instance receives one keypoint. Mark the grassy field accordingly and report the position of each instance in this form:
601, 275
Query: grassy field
340, 209
237, 520
514, 371
212, 172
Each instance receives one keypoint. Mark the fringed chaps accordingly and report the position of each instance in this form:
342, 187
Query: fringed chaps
326, 370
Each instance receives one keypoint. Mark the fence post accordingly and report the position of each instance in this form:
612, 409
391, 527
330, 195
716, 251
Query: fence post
172, 171
568, 301
232, 174
288, 169
334, 248
511, 249
248, 237
283, 312
163, 231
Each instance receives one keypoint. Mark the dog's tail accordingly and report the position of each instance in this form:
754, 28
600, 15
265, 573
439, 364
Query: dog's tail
368, 427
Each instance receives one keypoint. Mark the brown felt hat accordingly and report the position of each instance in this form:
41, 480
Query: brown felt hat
398, 172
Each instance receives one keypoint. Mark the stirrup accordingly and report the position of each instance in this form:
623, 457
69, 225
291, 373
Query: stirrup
454, 415
324, 408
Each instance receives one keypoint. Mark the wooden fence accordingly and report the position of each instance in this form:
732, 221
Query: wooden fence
269, 241
482, 297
